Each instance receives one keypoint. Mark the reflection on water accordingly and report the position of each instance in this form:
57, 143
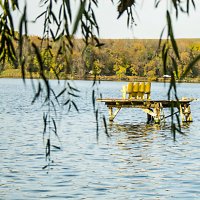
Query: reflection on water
138, 161
136, 130
138, 133
143, 130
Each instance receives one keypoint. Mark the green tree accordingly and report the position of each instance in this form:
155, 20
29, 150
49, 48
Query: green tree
120, 68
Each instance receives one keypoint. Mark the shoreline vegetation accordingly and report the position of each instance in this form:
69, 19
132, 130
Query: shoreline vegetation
114, 60
16, 73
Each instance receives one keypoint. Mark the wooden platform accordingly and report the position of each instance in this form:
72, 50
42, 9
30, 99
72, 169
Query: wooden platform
153, 108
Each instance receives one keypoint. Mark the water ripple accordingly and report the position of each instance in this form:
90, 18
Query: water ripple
138, 161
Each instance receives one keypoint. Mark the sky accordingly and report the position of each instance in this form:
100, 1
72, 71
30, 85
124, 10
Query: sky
149, 20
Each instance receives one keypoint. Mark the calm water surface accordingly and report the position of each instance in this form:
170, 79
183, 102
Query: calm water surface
138, 161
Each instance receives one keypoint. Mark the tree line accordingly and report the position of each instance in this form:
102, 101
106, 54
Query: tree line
114, 57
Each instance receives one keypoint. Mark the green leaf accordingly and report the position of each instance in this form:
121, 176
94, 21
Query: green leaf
95, 21
157, 3
37, 94
72, 88
193, 3
56, 147
165, 51
160, 39
48, 148
171, 34
105, 126
67, 3
40, 15
175, 66
45, 123
97, 123
79, 16
62, 92
40, 61
72, 94
176, 7
54, 18
67, 102
190, 66
55, 127
15, 4
75, 106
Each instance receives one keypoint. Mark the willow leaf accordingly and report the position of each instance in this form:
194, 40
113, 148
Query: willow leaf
79, 16
72, 94
193, 3
48, 148
67, 3
39, 16
56, 147
72, 88
67, 102
190, 66
175, 66
105, 126
37, 94
62, 92
171, 34
93, 99
75, 106
15, 4
160, 39
97, 123
157, 3
55, 127
40, 61
165, 51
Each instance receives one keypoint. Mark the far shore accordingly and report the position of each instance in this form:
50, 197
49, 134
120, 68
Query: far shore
16, 73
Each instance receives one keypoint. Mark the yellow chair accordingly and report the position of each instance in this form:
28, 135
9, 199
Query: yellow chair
137, 90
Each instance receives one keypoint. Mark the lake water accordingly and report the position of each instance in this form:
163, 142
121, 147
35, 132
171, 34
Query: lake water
138, 161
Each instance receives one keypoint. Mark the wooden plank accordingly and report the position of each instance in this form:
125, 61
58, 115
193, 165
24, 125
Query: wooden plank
147, 105
142, 100
143, 103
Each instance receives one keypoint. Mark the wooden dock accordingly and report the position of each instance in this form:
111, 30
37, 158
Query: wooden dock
138, 95
153, 108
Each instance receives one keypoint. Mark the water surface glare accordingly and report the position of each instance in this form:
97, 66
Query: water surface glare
138, 161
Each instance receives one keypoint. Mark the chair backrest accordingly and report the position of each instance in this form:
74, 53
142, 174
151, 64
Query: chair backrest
137, 90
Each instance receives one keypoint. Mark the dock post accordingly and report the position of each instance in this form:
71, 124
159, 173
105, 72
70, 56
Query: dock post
189, 117
157, 111
111, 114
149, 112
181, 113
162, 116
185, 113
